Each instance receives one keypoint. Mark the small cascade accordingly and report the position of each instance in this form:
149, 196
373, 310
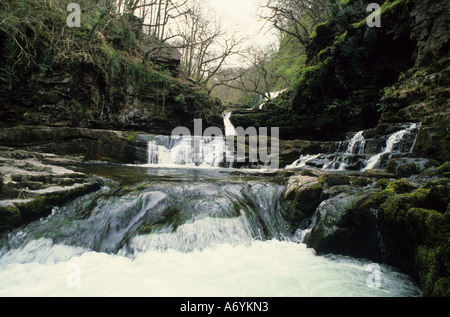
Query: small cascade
392, 145
198, 235
229, 128
190, 151
273, 95
356, 146
360, 153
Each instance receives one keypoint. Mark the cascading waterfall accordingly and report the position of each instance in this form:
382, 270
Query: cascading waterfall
273, 95
356, 146
193, 151
391, 143
152, 226
355, 154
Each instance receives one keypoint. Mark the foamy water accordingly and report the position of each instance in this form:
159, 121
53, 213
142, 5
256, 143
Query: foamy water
259, 269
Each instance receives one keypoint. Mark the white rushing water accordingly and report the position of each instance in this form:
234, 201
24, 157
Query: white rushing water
208, 256
229, 128
190, 152
393, 140
256, 269
356, 151
193, 151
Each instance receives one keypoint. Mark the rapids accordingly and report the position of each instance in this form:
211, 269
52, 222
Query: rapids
158, 231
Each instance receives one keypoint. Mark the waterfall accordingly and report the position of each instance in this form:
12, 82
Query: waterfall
273, 95
358, 155
393, 141
192, 151
356, 146
189, 151
229, 128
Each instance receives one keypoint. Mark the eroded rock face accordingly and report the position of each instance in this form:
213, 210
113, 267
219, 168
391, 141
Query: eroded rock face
90, 144
430, 29
32, 185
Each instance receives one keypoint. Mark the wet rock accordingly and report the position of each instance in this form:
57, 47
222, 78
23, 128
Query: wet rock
334, 179
31, 188
304, 194
101, 145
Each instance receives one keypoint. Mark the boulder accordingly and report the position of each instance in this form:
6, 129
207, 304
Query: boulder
304, 194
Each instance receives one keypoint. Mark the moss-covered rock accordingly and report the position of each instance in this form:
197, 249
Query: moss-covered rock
401, 225
361, 181
31, 187
417, 241
18, 213
9, 216
304, 195
444, 169
400, 186
334, 179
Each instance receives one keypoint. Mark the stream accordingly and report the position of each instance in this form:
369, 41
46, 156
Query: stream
160, 231
187, 225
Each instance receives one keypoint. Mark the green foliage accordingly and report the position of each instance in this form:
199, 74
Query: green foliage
181, 99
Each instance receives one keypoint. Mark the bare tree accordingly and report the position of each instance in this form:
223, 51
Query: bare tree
256, 78
297, 17
205, 45
155, 14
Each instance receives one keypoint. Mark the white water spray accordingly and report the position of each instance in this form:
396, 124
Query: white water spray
393, 140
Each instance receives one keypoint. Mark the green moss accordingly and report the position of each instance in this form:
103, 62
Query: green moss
421, 194
382, 183
444, 169
400, 186
388, 7
35, 209
371, 201
341, 38
334, 179
421, 235
395, 207
9, 216
132, 137
307, 199
318, 29
360, 181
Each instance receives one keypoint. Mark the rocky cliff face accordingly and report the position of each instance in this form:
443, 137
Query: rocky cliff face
83, 96
358, 77
120, 80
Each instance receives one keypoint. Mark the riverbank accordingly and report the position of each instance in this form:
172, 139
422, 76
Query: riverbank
32, 184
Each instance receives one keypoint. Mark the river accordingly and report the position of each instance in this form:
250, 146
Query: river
168, 232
